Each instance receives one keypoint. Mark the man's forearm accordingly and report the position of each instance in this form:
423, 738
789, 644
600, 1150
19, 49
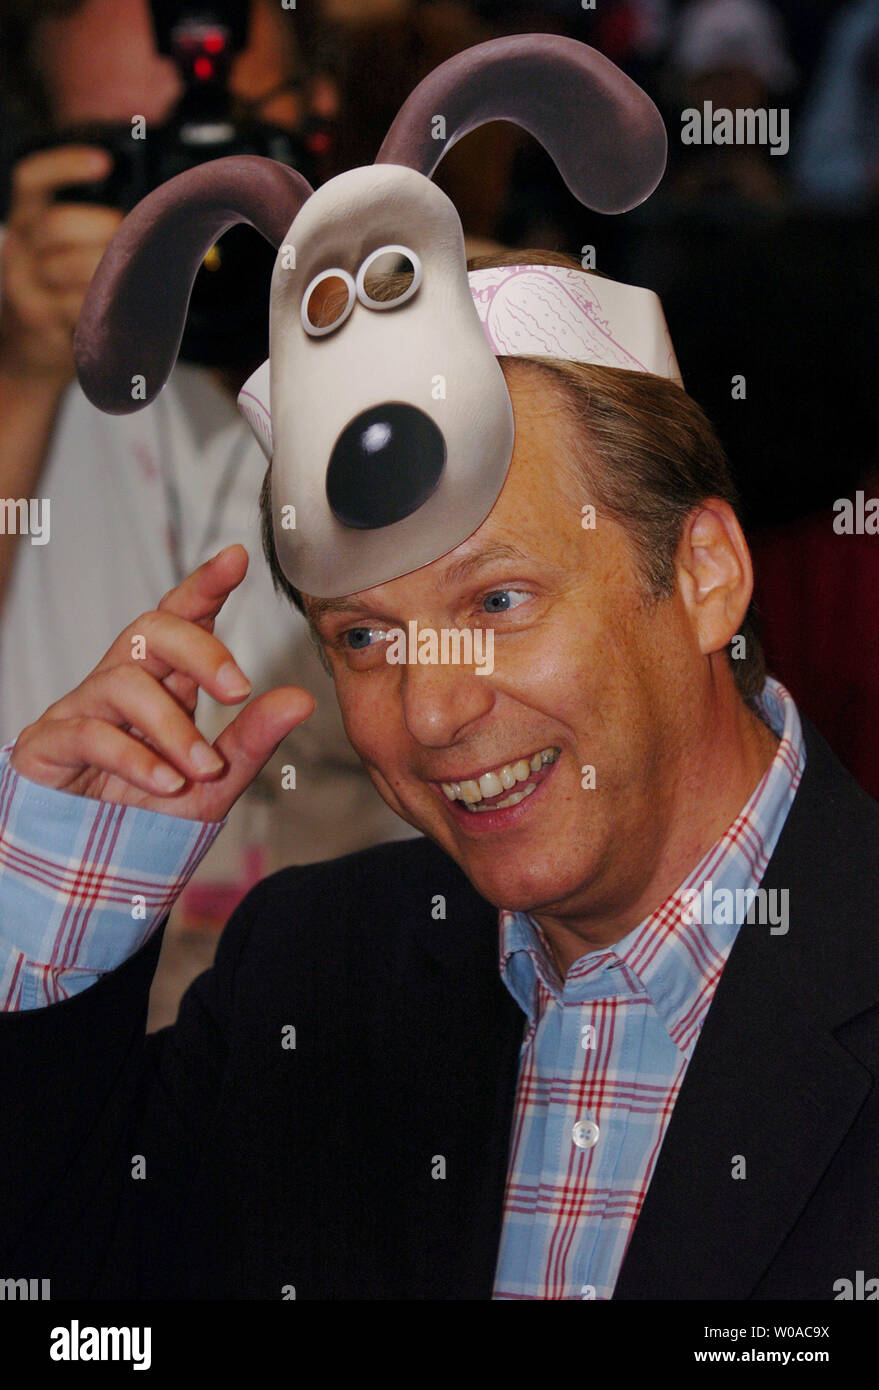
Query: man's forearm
28, 410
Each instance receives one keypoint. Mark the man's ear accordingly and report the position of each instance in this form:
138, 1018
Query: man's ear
714, 571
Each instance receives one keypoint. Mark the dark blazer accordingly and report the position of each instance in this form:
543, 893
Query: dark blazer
269, 1167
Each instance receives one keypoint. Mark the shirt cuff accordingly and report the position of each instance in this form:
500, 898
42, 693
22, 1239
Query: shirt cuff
83, 883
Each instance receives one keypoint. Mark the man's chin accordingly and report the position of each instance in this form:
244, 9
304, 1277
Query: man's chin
519, 882
517, 887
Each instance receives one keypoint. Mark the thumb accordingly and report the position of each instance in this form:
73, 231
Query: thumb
253, 735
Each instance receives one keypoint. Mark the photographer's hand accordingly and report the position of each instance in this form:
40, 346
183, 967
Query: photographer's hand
126, 733
50, 253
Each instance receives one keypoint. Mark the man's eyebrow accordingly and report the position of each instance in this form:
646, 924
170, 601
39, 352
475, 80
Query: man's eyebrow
470, 564
317, 607
457, 572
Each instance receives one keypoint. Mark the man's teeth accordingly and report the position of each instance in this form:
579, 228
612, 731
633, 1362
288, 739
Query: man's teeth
512, 800
490, 784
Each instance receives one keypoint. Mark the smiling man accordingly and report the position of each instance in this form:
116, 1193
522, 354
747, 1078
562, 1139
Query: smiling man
583, 677
506, 1059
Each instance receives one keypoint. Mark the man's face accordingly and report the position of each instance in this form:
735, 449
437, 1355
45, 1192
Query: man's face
101, 64
585, 670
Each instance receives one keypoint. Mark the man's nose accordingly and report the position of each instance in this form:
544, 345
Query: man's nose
440, 701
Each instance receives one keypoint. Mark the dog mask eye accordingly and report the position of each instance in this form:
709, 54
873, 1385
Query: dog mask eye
330, 296
327, 302
397, 261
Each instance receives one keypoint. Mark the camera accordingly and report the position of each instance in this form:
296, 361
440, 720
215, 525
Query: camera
227, 323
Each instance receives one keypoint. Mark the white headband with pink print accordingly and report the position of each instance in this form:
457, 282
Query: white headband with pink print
557, 311
540, 311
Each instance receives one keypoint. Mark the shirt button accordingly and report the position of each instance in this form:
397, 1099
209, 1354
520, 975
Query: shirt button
585, 1134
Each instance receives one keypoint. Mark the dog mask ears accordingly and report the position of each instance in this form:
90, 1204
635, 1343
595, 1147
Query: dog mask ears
388, 423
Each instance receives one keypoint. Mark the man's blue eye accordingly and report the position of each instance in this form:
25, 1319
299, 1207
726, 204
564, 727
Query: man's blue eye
358, 637
499, 601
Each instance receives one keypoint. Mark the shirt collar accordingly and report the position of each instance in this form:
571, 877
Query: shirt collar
673, 957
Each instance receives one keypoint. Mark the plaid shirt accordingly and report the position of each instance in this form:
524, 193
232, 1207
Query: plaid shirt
605, 1050
84, 883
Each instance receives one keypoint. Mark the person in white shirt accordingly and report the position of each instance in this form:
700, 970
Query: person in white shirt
135, 502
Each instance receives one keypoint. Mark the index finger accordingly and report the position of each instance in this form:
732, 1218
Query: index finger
200, 596
37, 175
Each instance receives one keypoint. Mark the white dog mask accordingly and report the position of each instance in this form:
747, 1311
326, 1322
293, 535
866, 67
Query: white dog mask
389, 427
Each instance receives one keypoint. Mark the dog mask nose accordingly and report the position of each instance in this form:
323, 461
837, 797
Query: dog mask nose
385, 464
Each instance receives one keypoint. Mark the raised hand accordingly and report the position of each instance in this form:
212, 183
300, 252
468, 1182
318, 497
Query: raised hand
127, 733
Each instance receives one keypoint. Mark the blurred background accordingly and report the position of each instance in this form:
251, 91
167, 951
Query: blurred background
766, 265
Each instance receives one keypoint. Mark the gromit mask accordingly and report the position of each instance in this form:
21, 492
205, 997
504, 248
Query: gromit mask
388, 422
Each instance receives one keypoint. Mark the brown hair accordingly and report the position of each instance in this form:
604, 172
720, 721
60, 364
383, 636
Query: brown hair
658, 459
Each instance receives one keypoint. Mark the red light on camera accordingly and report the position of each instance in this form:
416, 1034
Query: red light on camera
203, 68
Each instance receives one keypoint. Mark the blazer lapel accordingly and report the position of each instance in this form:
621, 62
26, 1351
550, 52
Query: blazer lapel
768, 1085
463, 1042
